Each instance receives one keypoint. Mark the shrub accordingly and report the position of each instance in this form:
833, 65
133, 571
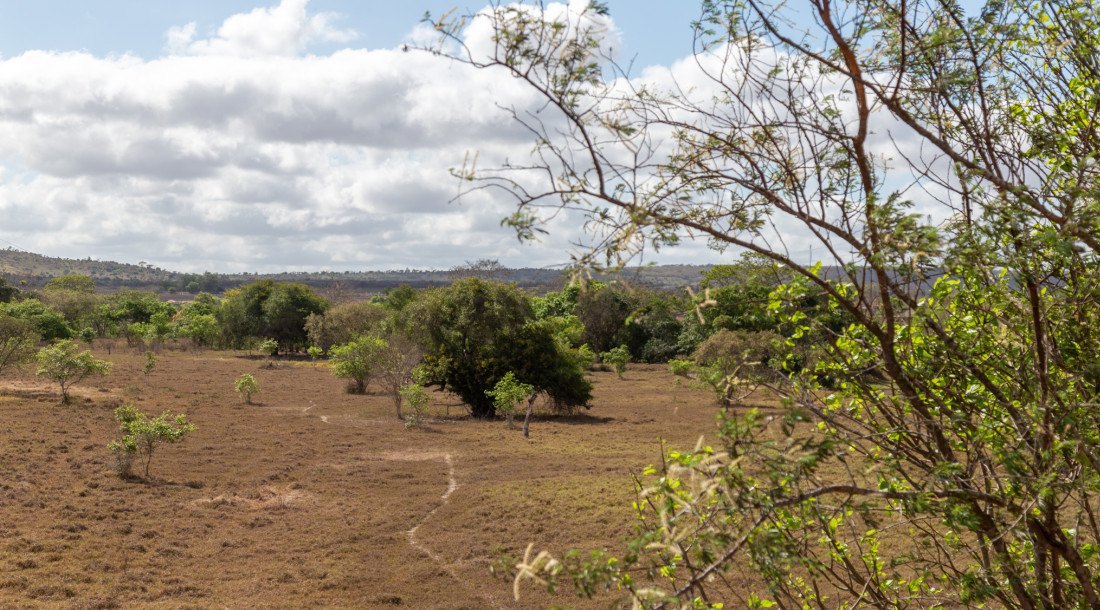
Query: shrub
141, 435
508, 393
418, 400
617, 357
246, 386
65, 365
269, 347
357, 361
150, 363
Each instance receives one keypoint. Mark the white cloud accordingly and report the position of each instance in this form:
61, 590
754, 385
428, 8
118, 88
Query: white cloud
238, 152
286, 29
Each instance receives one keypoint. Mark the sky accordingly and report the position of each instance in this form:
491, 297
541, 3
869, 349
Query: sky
276, 135
264, 135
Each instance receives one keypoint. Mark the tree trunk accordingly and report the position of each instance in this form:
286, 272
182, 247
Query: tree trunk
527, 420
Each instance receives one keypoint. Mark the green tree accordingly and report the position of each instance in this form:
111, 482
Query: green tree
509, 393
619, 357
49, 324
418, 401
7, 291
17, 339
475, 331
72, 283
150, 364
358, 360
343, 323
141, 436
63, 363
274, 310
942, 168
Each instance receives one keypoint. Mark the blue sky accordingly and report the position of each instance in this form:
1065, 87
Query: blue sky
654, 31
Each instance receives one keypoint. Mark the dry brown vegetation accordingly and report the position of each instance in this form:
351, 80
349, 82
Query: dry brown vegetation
307, 497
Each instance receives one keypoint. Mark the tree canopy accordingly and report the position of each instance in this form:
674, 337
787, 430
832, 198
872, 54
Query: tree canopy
927, 172
475, 331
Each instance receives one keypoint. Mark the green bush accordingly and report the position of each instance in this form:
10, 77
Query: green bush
63, 363
141, 435
246, 386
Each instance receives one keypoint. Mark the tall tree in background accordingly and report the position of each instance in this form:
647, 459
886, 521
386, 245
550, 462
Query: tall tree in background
944, 166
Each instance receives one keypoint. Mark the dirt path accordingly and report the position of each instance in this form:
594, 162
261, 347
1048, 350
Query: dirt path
452, 485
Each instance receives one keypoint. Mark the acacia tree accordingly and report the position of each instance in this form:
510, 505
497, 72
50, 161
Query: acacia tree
942, 167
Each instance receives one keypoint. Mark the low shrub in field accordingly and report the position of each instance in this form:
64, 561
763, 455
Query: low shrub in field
63, 363
246, 386
141, 436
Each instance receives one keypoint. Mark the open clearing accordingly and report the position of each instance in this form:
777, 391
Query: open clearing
311, 497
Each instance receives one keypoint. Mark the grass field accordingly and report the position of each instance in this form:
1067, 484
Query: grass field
311, 497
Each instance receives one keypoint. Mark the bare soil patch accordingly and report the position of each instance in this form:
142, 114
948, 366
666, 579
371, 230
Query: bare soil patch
311, 497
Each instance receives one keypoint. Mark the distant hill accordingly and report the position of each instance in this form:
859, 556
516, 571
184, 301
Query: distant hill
35, 270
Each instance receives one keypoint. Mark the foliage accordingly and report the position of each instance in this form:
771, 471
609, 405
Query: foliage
357, 360
418, 400
130, 306
63, 363
468, 330
343, 323
274, 310
395, 366
246, 386
604, 310
315, 353
72, 283
682, 369
509, 393
618, 357
396, 299
17, 339
141, 436
150, 363
269, 347
751, 269
49, 324
203, 329
730, 362
7, 291
938, 446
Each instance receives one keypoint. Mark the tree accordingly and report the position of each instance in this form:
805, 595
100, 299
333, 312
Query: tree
141, 436
285, 312
72, 283
418, 400
358, 361
63, 363
507, 394
7, 291
487, 269
49, 324
943, 168
619, 357
475, 331
343, 323
274, 310
17, 339
395, 364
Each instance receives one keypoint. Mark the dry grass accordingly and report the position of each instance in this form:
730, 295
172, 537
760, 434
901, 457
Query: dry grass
307, 498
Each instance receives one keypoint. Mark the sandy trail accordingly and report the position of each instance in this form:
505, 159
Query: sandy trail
452, 485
